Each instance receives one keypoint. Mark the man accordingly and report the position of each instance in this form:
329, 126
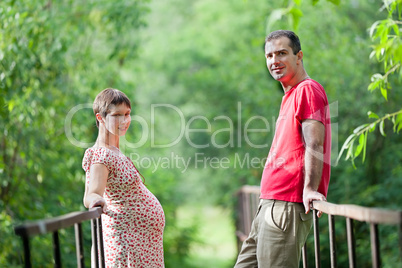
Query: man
297, 170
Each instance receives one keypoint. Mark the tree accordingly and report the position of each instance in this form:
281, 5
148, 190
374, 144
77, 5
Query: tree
387, 49
53, 56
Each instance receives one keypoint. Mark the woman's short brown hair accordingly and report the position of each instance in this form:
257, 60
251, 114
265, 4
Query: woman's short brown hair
106, 98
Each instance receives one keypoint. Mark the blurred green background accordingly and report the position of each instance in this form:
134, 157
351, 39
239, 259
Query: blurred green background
201, 94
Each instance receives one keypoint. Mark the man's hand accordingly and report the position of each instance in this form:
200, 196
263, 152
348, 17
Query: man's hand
309, 196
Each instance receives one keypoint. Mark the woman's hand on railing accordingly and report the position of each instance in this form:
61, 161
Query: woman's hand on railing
100, 202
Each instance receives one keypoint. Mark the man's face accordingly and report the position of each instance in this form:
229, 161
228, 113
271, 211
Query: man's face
282, 63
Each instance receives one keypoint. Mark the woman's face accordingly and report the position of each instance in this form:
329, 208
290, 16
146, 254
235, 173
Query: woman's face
118, 119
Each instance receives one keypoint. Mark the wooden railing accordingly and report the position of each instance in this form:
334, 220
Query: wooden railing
248, 200
53, 225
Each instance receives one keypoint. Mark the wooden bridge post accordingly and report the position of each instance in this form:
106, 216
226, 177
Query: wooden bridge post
332, 244
79, 245
400, 236
316, 240
56, 250
95, 249
27, 251
351, 243
100, 242
375, 246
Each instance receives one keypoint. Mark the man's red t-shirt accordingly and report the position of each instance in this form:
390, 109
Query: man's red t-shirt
283, 175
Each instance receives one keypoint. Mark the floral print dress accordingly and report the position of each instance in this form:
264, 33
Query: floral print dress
134, 222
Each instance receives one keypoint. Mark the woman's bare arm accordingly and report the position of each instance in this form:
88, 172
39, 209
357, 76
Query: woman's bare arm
97, 184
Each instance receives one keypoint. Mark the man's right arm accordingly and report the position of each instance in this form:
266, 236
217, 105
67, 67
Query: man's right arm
314, 136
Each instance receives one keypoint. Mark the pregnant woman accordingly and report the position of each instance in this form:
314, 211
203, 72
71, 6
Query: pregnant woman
133, 219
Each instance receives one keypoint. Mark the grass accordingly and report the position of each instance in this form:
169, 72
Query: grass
216, 236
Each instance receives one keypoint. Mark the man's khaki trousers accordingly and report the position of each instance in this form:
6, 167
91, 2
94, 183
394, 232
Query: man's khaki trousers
277, 235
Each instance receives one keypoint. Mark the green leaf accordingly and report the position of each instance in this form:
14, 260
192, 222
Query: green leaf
275, 16
373, 86
296, 12
350, 150
297, 2
335, 2
372, 127
382, 128
398, 122
11, 105
396, 29
372, 115
373, 28
345, 146
296, 15
384, 93
359, 147
372, 54
399, 128
364, 147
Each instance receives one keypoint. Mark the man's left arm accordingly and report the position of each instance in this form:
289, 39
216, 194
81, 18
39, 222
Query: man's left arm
314, 136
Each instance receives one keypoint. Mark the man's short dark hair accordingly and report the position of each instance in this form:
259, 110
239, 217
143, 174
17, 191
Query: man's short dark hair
294, 39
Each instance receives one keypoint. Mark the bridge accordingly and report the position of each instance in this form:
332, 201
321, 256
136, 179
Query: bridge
248, 200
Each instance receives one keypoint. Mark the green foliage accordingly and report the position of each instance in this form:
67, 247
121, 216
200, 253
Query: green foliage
362, 132
292, 11
53, 57
205, 58
389, 52
179, 241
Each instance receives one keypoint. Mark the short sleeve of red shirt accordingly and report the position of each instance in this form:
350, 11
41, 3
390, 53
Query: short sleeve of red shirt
310, 103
